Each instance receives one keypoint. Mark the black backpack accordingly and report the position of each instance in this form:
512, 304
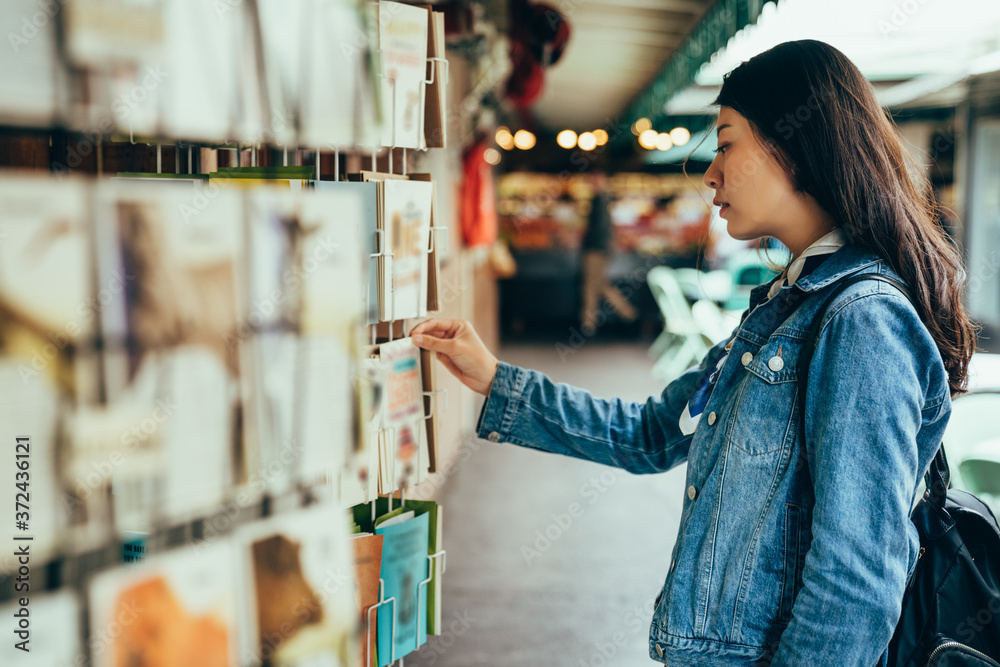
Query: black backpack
951, 607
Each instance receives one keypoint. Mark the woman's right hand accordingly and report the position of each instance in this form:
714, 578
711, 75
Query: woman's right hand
460, 349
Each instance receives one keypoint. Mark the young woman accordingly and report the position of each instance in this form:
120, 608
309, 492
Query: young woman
788, 553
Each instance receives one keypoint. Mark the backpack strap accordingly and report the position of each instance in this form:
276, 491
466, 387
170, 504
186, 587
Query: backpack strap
937, 479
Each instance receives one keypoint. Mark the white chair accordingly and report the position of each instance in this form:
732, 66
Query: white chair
683, 341
980, 472
748, 270
972, 444
974, 420
984, 372
712, 285
714, 322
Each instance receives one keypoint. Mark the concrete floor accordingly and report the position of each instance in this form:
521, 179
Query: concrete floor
584, 599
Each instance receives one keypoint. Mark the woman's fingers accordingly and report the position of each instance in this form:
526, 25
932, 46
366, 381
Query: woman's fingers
426, 342
423, 326
459, 349
439, 332
427, 326
449, 364
436, 327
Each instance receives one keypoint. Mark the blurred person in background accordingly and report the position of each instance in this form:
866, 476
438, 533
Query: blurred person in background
596, 248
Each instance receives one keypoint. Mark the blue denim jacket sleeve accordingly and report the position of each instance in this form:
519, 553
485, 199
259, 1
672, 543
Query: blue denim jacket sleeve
524, 407
865, 405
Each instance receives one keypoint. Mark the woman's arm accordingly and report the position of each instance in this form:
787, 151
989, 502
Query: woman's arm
865, 393
524, 407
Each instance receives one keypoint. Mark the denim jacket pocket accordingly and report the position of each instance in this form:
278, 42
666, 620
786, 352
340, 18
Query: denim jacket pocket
766, 402
777, 361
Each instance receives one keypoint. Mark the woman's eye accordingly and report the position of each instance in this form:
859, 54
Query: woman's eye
722, 149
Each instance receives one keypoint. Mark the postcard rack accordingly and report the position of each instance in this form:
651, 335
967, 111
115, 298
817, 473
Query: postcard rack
74, 564
431, 558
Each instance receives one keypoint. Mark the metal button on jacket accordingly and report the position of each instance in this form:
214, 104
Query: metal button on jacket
711, 418
692, 492
775, 363
493, 436
746, 358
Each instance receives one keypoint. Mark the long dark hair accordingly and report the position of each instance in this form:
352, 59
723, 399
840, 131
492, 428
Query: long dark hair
817, 115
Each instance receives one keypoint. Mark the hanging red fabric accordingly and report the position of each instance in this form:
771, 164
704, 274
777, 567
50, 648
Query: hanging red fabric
479, 206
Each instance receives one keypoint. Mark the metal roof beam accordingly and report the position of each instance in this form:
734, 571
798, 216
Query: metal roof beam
650, 38
723, 20
680, 6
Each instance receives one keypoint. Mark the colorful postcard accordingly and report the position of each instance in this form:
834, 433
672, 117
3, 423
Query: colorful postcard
404, 567
302, 574
177, 608
403, 43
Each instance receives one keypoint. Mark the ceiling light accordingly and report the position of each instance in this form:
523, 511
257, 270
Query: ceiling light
524, 140
641, 126
647, 139
492, 155
663, 142
680, 136
566, 139
602, 137
587, 141
504, 138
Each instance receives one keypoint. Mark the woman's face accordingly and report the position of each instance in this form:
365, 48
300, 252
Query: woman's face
757, 196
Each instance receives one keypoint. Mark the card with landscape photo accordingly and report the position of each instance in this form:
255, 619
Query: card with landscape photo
176, 608
301, 572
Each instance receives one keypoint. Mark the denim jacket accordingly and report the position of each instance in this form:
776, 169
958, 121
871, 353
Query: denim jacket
770, 566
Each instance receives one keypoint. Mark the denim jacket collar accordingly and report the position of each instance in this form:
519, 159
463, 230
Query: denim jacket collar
848, 259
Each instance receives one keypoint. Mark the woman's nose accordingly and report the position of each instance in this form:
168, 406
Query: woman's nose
713, 177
